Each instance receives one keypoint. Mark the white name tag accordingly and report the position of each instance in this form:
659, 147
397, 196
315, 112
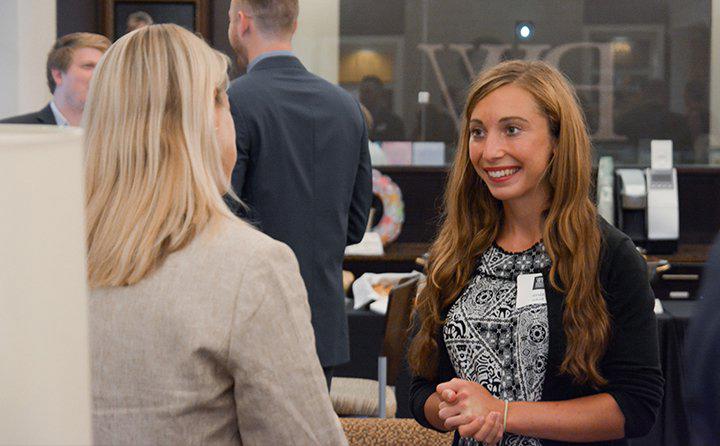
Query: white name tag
530, 290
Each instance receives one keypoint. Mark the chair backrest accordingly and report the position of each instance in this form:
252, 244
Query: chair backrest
397, 322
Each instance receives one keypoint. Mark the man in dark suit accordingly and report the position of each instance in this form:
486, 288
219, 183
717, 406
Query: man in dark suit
303, 165
70, 66
44, 116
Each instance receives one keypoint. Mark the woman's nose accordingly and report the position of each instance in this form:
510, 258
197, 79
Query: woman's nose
494, 146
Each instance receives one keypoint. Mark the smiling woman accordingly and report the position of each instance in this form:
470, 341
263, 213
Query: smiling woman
514, 336
510, 145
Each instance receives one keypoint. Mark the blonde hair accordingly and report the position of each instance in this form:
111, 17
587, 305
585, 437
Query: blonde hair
571, 233
61, 54
154, 177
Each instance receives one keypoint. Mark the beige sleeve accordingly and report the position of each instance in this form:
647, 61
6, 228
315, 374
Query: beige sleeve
280, 390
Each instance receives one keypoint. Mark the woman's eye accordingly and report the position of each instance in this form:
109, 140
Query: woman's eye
512, 130
476, 133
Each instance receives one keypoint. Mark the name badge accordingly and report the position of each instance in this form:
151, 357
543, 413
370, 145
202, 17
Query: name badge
530, 290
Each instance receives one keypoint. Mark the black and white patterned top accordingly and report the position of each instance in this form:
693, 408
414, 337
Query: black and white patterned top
492, 342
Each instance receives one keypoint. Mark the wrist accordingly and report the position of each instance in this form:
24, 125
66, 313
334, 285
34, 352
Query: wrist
498, 406
511, 419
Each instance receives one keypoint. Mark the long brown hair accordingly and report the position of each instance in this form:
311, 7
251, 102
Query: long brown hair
473, 217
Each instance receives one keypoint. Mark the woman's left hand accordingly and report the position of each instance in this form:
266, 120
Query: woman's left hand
464, 401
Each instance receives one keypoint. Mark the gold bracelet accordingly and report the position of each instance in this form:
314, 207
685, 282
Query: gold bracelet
505, 417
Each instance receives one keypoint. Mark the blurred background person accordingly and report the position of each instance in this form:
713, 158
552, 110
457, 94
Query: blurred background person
199, 324
137, 20
70, 66
377, 156
650, 118
387, 126
698, 117
437, 125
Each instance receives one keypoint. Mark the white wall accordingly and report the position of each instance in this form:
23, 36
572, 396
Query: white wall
27, 32
317, 40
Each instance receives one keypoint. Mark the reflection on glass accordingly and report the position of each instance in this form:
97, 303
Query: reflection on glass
641, 67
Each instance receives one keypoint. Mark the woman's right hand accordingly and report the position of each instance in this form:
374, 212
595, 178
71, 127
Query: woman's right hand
487, 430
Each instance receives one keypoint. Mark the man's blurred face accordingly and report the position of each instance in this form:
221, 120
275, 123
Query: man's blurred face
234, 35
74, 83
369, 94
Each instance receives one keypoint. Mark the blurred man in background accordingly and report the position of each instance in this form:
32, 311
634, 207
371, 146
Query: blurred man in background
137, 20
70, 66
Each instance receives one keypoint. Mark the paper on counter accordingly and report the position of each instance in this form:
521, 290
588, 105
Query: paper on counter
370, 245
363, 291
398, 153
428, 153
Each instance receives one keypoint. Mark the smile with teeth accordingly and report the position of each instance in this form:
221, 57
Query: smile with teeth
502, 173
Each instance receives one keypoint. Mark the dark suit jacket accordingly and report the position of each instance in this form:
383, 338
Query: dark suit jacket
303, 169
702, 357
44, 116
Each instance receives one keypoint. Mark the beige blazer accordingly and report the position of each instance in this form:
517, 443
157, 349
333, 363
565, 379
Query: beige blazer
214, 347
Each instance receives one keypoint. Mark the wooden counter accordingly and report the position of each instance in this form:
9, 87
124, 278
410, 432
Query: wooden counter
398, 258
396, 252
686, 253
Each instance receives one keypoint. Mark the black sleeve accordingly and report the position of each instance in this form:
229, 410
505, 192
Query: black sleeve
421, 388
631, 364
362, 192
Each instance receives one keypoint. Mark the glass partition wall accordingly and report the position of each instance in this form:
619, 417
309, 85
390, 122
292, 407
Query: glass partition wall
642, 68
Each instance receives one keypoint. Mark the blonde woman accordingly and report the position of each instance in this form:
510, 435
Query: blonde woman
200, 327
536, 325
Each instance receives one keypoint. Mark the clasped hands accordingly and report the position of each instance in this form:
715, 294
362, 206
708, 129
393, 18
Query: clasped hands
468, 407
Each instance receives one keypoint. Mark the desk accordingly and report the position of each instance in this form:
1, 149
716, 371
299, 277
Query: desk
366, 335
398, 258
686, 253
671, 428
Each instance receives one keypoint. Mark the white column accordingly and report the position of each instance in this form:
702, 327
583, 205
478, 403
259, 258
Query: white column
317, 40
27, 32
44, 359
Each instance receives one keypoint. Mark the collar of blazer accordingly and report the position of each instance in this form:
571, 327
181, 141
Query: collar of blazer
275, 62
46, 116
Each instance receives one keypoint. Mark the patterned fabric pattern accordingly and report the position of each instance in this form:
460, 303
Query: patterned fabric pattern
492, 342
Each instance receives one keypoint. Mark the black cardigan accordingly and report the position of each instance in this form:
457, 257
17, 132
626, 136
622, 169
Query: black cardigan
631, 363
